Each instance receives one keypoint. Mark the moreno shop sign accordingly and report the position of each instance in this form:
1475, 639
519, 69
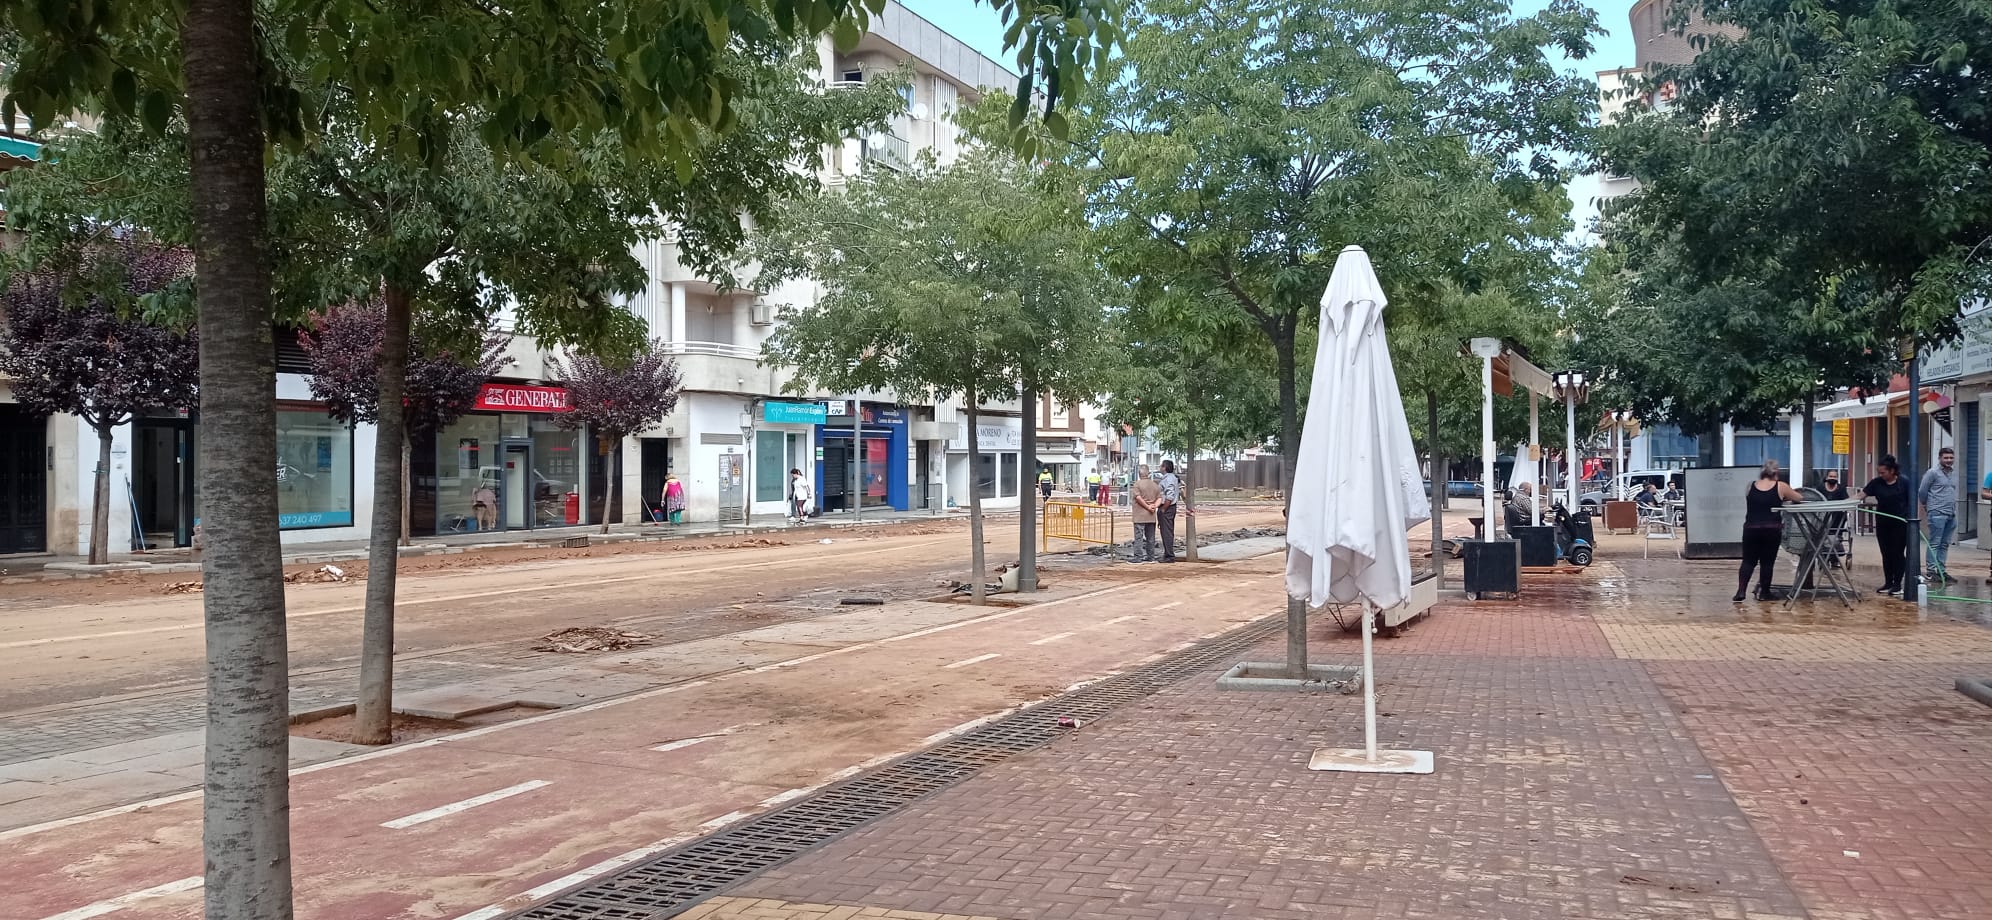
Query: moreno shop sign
515, 397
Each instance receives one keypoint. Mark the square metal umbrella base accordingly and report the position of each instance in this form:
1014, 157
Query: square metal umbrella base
1357, 760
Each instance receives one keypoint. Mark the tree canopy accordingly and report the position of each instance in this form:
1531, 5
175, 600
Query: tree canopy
1809, 200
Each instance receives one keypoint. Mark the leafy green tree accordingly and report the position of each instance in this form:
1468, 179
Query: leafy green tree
1240, 144
1808, 203
940, 282
537, 81
1198, 376
448, 246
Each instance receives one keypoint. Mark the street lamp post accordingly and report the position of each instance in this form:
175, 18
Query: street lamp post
1570, 385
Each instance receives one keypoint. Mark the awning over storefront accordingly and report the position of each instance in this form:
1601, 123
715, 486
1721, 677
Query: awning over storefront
1870, 407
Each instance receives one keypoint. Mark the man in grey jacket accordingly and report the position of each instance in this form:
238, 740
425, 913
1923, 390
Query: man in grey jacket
1938, 493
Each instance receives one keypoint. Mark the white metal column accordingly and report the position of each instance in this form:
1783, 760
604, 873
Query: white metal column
1535, 453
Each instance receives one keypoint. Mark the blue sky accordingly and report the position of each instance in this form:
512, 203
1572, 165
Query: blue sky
979, 26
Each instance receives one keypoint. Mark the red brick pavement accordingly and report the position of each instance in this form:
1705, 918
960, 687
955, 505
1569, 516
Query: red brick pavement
1614, 746
1868, 782
1566, 788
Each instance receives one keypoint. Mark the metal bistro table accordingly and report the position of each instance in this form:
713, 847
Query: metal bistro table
1814, 521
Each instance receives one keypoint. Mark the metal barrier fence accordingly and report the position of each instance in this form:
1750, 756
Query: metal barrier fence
1078, 521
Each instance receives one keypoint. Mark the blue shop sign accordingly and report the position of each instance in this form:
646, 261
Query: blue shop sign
793, 413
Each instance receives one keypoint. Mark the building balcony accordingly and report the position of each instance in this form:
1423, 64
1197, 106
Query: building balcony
723, 367
888, 150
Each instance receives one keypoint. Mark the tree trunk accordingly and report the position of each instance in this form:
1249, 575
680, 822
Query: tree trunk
1439, 477
615, 476
1296, 658
1190, 485
977, 590
373, 717
100, 503
245, 808
1030, 506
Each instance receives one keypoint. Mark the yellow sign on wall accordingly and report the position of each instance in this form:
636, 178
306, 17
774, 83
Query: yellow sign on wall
1843, 436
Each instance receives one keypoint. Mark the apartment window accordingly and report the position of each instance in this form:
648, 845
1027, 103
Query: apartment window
854, 75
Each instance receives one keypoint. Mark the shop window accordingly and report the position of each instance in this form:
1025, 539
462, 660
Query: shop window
770, 467
557, 457
314, 470
467, 474
985, 475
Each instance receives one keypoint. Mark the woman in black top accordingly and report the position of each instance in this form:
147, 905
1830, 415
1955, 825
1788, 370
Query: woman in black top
1888, 494
1762, 528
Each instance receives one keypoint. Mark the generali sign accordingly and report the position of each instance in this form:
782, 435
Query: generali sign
518, 397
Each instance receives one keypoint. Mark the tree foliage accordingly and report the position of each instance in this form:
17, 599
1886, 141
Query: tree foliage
975, 279
1810, 200
528, 79
344, 344
78, 338
617, 398
1241, 143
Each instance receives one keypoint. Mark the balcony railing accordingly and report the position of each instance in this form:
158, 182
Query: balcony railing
716, 349
888, 150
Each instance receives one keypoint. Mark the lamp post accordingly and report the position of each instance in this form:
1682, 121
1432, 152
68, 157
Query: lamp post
1912, 567
1487, 349
1570, 386
747, 471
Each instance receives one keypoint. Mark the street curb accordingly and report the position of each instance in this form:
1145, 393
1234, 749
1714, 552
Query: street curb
68, 571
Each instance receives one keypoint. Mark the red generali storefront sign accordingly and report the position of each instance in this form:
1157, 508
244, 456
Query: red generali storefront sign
518, 397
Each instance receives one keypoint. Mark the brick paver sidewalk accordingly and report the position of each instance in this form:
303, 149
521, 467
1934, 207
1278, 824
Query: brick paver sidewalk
1624, 744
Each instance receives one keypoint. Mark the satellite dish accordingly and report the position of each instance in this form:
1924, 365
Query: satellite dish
919, 111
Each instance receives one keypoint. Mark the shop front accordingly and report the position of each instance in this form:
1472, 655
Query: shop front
862, 465
505, 465
996, 471
23, 481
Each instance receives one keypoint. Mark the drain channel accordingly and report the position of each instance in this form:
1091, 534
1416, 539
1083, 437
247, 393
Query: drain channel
675, 880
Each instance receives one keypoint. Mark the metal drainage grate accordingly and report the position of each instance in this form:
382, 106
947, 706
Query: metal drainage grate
673, 881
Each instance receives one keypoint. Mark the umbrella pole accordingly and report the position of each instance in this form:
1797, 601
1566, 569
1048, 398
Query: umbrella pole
1369, 683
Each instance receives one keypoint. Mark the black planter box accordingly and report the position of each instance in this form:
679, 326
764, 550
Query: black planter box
1538, 544
1492, 567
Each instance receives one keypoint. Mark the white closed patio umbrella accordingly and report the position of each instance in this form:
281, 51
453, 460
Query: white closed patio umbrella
1357, 487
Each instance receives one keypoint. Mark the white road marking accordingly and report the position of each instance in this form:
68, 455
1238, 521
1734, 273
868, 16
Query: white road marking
701, 739
1120, 620
1170, 605
572, 879
682, 743
444, 811
1054, 637
965, 662
458, 737
450, 598
126, 900
607, 866
1212, 593
789, 796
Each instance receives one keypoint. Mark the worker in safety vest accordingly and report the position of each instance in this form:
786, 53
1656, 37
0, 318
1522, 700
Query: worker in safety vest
1093, 490
1044, 482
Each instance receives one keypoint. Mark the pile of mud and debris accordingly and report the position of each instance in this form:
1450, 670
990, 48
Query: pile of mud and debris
1126, 549
579, 639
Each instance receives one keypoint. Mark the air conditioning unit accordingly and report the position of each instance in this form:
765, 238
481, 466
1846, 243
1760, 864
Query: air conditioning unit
763, 313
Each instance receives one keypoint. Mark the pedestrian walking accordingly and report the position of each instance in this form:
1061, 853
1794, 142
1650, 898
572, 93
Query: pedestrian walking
1095, 488
1146, 496
1763, 529
1888, 495
802, 497
674, 499
1165, 513
1938, 492
1044, 482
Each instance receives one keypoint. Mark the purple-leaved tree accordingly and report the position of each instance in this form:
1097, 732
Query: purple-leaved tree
617, 399
440, 384
76, 340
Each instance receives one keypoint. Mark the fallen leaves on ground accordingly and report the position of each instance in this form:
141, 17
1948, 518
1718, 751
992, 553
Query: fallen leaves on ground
324, 574
184, 587
590, 639
751, 542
